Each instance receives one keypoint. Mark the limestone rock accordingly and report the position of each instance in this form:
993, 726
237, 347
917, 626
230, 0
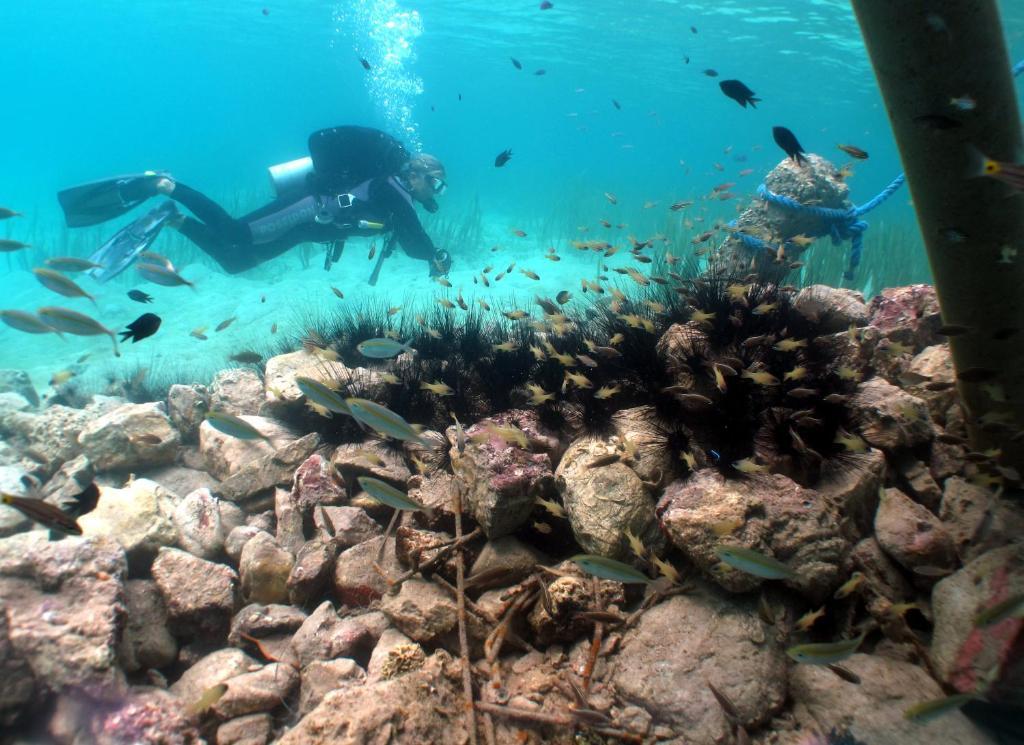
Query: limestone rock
11, 403
911, 534
356, 715
356, 582
16, 682
909, 315
224, 455
888, 418
63, 613
288, 520
139, 517
933, 364
49, 437
17, 381
320, 677
570, 595
71, 478
603, 503
872, 712
311, 573
252, 729
12, 521
237, 391
778, 518
198, 520
150, 717
686, 640
179, 478
325, 636
315, 486
264, 568
262, 621
500, 481
348, 462
200, 595
395, 654
832, 309
964, 654
920, 485
147, 641
434, 492
421, 610
852, 493
509, 554
977, 519
237, 539
252, 483
129, 437
881, 573
213, 669
280, 373
651, 460
259, 690
187, 406
351, 525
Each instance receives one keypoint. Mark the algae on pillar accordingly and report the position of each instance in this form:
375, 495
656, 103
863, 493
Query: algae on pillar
925, 55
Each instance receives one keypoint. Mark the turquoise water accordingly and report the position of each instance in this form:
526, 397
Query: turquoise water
216, 92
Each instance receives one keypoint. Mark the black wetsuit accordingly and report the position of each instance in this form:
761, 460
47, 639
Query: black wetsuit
238, 244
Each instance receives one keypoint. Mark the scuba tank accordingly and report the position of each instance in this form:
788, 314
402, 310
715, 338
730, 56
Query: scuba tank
291, 178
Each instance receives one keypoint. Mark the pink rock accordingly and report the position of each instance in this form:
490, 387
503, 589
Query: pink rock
315, 484
501, 481
965, 655
775, 516
910, 315
912, 535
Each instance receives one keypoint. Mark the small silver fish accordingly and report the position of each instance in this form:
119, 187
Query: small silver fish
22, 321
385, 493
234, 426
604, 568
161, 275
60, 284
75, 323
71, 264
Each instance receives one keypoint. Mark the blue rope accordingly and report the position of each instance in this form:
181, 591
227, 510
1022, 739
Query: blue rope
839, 224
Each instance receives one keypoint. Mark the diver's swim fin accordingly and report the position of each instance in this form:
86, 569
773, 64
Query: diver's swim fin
115, 255
99, 201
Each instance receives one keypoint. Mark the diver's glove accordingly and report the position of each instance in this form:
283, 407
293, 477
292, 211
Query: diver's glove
441, 264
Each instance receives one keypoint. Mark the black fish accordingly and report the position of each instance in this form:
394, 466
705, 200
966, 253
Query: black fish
616, 104
693, 29
976, 375
686, 60
246, 358
364, 63
143, 326
139, 296
85, 501
738, 92
541, 71
503, 158
711, 72
788, 142
936, 121
516, 63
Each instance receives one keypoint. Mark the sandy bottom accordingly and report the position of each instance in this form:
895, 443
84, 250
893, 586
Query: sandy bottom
281, 292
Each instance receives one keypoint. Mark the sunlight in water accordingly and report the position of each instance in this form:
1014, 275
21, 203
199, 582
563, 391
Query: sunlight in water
384, 34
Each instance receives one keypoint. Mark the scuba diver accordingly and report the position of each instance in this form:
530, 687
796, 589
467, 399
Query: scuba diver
356, 181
